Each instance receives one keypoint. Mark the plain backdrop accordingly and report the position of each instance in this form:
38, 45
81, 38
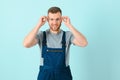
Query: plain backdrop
98, 20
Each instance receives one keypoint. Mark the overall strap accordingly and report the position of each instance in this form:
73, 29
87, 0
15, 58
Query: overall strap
44, 44
64, 39
44, 41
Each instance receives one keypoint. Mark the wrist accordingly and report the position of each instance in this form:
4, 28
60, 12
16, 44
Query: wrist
69, 25
39, 25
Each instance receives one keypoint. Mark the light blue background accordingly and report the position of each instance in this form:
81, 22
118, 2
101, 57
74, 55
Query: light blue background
98, 20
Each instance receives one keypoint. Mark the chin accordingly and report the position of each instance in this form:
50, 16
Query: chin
55, 29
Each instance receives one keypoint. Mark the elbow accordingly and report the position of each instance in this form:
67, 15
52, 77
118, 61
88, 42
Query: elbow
29, 44
26, 45
83, 44
80, 43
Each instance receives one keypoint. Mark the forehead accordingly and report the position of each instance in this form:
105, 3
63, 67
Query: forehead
54, 15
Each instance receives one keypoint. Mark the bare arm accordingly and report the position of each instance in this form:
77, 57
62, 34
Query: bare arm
30, 40
79, 39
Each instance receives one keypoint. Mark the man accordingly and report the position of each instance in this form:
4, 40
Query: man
54, 44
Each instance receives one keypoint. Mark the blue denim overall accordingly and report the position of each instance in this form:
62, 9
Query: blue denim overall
54, 67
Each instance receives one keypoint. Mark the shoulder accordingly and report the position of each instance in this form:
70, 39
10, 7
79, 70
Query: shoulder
41, 32
68, 33
69, 36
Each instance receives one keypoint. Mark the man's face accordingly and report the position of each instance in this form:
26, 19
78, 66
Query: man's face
54, 21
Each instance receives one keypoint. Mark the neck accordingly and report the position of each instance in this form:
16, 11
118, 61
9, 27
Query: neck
55, 32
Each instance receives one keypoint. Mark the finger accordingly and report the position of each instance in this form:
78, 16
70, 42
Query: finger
47, 18
44, 18
64, 18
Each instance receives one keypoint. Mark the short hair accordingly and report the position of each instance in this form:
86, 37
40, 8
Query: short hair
54, 10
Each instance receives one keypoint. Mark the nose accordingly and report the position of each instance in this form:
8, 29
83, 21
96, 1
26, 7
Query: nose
54, 21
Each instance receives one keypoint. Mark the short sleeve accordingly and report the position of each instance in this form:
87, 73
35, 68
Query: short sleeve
69, 37
39, 37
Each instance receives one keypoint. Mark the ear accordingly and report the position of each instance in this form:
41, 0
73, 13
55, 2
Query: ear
63, 18
47, 18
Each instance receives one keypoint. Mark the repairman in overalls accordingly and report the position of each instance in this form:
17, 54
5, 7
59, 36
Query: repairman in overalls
54, 44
